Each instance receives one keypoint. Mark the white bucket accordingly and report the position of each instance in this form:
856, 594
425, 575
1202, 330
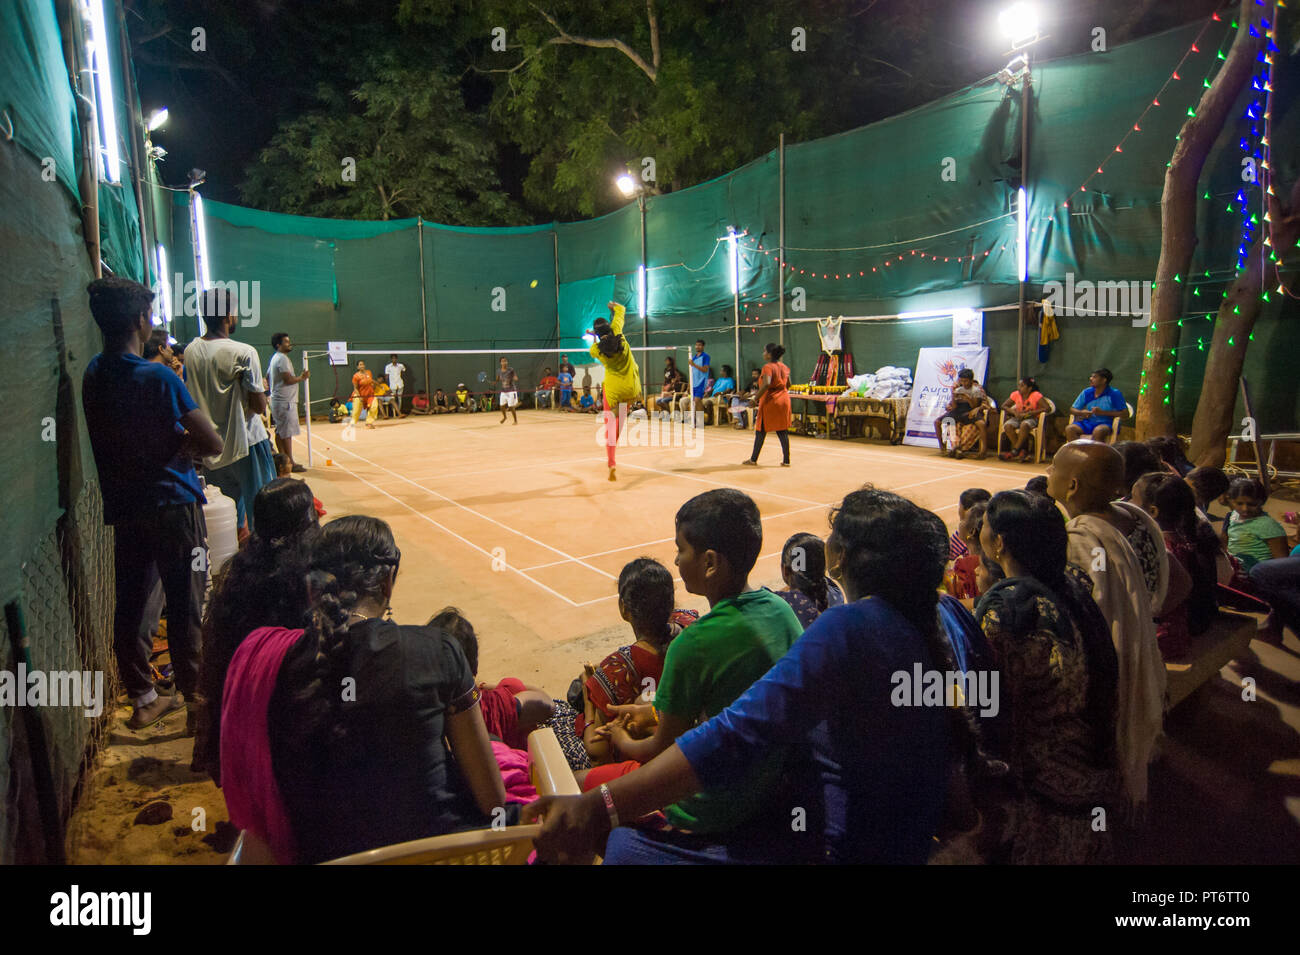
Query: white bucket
220, 515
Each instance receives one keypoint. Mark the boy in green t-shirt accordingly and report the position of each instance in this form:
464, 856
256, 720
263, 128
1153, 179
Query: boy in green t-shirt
717, 658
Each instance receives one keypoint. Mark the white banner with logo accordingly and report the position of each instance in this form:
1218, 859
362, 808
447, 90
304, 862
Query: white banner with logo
967, 328
932, 385
338, 352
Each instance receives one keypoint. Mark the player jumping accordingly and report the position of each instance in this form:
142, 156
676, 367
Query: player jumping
622, 377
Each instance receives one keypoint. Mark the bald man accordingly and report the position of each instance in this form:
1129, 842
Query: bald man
1084, 478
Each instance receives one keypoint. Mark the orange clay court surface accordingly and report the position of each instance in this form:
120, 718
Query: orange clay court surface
465, 494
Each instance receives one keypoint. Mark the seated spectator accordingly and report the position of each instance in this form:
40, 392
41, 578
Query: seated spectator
718, 395
1209, 485
673, 381
964, 580
1139, 459
313, 722
1101, 404
284, 469
645, 600
440, 405
965, 501
808, 590
264, 585
546, 388
1059, 687
1037, 485
586, 403
511, 709
1082, 478
1170, 451
1191, 604
1251, 535
1022, 407
873, 797
464, 400
967, 415
743, 402
715, 660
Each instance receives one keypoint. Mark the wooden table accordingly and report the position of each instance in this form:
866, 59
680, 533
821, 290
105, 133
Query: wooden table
888, 415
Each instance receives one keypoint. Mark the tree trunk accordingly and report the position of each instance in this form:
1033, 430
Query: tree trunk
1155, 403
1236, 319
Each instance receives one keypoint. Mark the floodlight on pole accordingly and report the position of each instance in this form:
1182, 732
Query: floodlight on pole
164, 299
626, 185
641, 289
157, 118
201, 273
105, 105
1019, 24
735, 260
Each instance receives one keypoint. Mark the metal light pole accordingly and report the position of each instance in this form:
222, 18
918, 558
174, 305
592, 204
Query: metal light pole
645, 292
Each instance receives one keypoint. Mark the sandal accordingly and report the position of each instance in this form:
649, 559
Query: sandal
1006, 456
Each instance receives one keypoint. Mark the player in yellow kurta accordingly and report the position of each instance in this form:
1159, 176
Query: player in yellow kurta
622, 376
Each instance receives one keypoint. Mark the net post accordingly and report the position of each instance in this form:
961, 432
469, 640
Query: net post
306, 384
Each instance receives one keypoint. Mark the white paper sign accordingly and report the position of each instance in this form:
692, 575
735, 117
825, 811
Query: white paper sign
338, 353
936, 376
967, 328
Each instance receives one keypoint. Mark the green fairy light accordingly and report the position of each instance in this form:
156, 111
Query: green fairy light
1252, 336
1230, 341
1236, 310
1166, 399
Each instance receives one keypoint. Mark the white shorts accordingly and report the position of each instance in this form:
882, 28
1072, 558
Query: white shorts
509, 399
284, 415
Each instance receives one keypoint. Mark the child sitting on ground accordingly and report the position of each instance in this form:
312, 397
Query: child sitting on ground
968, 499
284, 469
440, 402
808, 590
587, 403
511, 709
1251, 535
1190, 602
464, 400
713, 662
645, 600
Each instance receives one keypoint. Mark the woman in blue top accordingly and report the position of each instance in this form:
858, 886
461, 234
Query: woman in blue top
877, 762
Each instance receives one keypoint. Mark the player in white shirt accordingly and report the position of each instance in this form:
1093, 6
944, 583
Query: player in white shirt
393, 372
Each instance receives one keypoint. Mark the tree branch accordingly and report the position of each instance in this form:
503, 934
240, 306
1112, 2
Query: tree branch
607, 43
654, 34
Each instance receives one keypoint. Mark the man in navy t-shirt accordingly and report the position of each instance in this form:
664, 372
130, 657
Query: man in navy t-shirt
1103, 406
145, 431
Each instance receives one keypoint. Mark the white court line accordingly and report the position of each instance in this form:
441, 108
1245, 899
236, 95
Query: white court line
470, 510
750, 491
665, 540
458, 537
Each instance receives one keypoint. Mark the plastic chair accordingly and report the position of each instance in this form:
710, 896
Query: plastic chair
508, 846
1115, 430
1039, 435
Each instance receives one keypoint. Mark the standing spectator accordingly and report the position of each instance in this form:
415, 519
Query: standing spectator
700, 374
363, 395
566, 367
225, 379
566, 386
1103, 405
157, 349
145, 431
393, 371
284, 396
773, 404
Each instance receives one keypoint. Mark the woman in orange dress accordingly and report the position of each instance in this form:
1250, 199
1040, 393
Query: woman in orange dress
773, 404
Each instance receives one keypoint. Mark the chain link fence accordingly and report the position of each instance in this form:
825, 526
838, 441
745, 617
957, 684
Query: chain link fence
67, 599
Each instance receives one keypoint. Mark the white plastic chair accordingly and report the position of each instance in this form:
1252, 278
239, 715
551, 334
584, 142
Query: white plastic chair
1039, 433
1115, 428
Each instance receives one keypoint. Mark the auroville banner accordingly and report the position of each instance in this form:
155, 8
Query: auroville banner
932, 384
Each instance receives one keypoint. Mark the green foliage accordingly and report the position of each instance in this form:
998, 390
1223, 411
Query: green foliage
417, 150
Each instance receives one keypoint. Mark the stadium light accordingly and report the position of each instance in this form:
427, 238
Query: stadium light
157, 118
735, 260
164, 299
626, 185
641, 295
201, 271
1022, 228
1019, 24
105, 105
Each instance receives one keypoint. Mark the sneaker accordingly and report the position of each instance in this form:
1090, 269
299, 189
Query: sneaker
750, 463
298, 469
155, 712
785, 464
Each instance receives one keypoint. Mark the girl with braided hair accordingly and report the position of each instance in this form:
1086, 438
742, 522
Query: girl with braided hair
334, 736
265, 584
808, 590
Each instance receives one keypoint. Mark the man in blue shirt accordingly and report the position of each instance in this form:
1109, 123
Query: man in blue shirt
719, 396
699, 381
1103, 404
145, 431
